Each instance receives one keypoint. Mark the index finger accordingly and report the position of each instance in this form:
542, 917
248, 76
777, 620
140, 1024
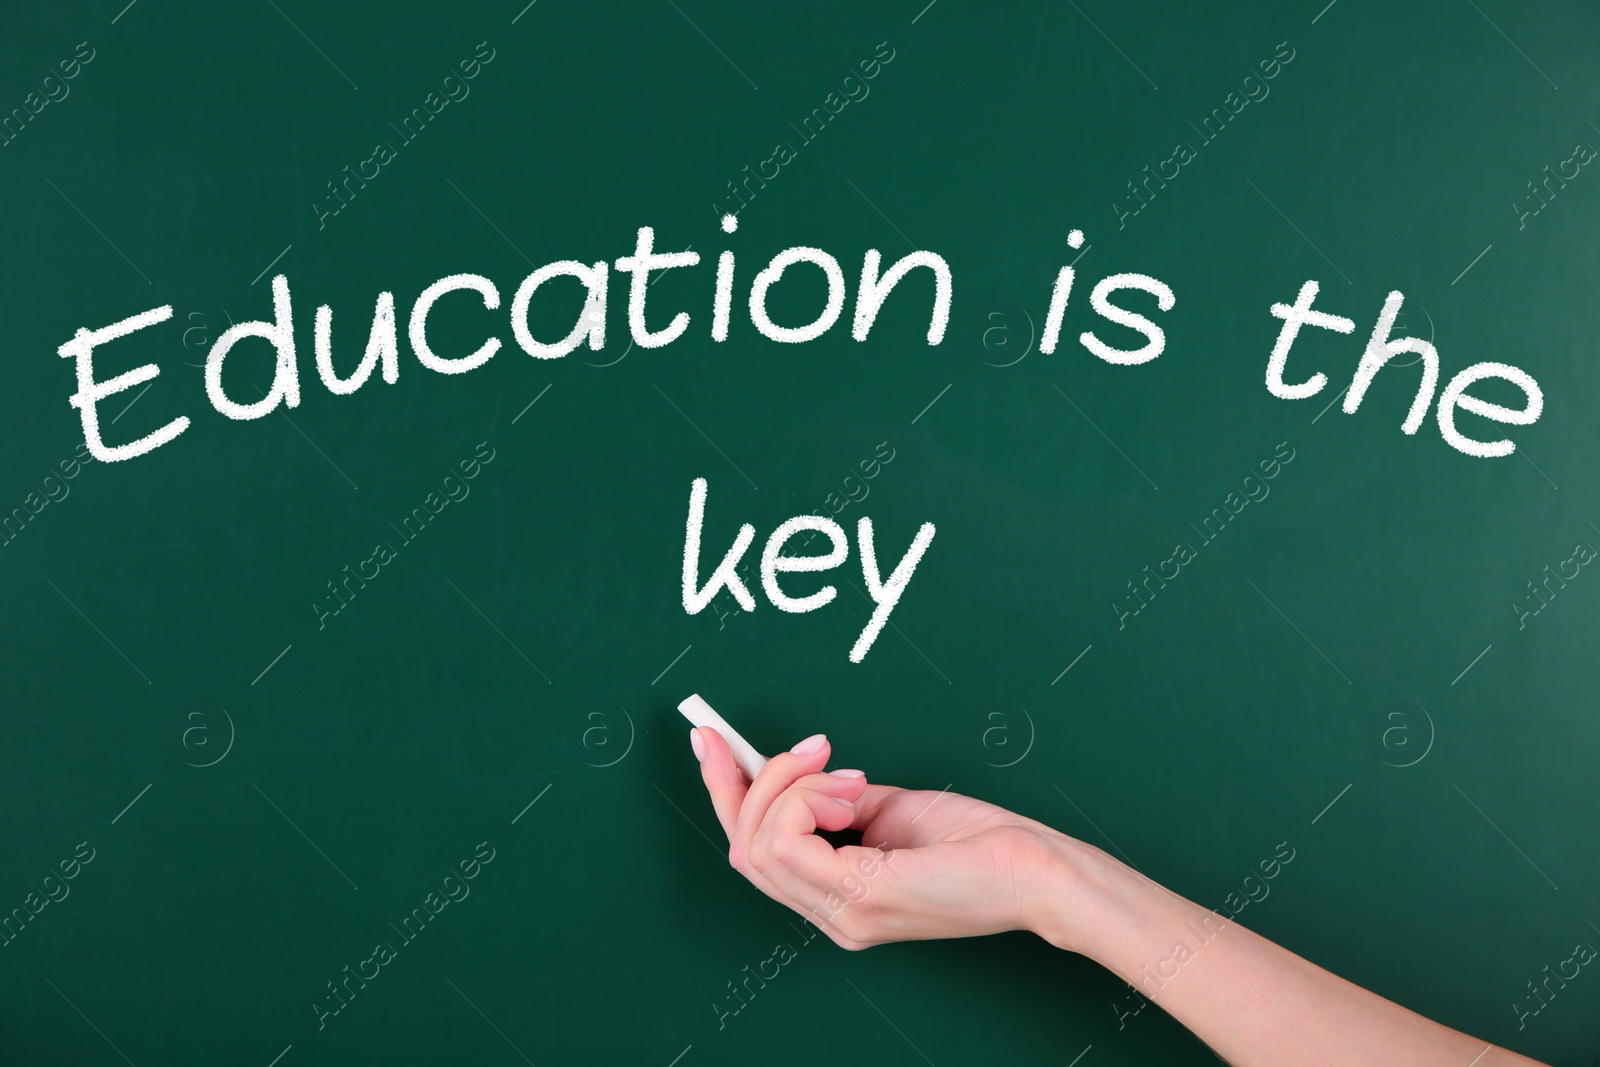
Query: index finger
723, 778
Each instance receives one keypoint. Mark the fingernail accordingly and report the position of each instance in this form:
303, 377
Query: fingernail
698, 745
848, 774
846, 803
811, 744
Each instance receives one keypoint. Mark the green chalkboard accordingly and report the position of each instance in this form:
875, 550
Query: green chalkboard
398, 666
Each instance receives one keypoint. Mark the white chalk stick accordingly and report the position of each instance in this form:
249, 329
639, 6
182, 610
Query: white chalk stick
697, 711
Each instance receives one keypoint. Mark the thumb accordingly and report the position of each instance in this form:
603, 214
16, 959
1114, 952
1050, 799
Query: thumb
781, 771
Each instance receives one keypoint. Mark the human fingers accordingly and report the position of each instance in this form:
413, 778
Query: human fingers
866, 811
805, 808
805, 870
847, 785
725, 782
727, 786
789, 832
870, 809
781, 771
787, 850
722, 776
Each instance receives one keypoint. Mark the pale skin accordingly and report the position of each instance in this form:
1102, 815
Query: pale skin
937, 865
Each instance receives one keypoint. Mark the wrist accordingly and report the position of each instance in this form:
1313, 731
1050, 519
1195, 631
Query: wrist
1090, 902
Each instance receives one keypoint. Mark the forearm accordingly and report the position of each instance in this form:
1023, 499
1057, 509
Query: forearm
1251, 1000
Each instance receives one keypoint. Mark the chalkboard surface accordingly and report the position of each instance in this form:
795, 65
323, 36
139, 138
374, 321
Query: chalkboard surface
399, 666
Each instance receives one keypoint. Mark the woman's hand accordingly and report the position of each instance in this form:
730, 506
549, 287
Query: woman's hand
932, 864
938, 864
